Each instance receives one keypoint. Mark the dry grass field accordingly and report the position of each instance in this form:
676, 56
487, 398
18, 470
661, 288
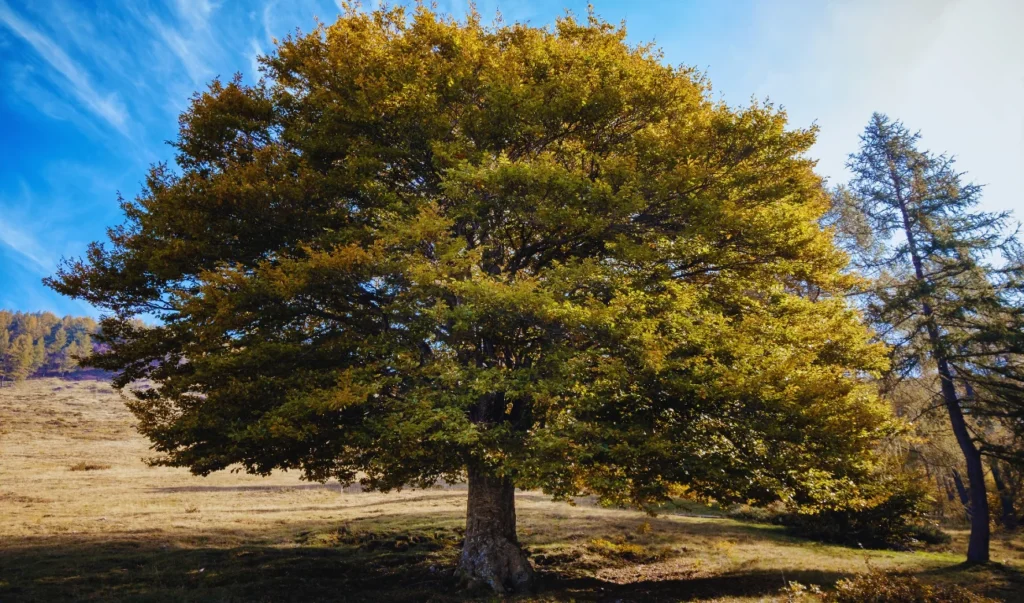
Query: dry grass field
83, 518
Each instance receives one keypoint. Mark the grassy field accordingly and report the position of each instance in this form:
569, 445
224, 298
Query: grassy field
83, 518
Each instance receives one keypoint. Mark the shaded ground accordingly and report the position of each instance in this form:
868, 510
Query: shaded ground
135, 533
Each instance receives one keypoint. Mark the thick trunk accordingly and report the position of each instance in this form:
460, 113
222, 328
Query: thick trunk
978, 545
491, 553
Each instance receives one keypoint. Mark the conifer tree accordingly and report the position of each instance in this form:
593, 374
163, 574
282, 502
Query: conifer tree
425, 249
55, 349
20, 358
38, 355
938, 297
6, 319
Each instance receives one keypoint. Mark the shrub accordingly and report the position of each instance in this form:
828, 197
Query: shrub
84, 466
893, 523
878, 587
773, 513
626, 551
929, 533
890, 516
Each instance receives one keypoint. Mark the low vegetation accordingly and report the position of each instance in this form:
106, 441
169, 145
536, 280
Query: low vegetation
877, 587
84, 466
139, 533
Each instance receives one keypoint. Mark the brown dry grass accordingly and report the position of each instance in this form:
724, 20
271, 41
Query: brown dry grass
130, 532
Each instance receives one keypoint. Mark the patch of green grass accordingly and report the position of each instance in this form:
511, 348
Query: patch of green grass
629, 551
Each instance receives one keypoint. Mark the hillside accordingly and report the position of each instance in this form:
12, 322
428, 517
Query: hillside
85, 519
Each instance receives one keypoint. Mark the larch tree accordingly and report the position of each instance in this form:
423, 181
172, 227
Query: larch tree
18, 363
425, 249
6, 319
947, 289
55, 350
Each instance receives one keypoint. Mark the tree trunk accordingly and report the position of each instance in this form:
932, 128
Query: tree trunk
1008, 516
944, 483
965, 499
491, 553
978, 545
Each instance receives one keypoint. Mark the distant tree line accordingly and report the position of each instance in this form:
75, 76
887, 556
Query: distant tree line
41, 343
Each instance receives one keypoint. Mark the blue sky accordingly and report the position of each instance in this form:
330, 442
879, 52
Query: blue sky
91, 90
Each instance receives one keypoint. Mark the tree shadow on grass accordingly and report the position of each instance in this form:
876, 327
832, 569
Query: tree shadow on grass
998, 580
394, 557
334, 565
753, 583
148, 570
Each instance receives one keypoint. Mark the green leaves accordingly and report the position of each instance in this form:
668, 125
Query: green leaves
425, 243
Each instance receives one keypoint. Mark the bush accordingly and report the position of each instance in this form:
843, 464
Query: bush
626, 551
878, 587
772, 514
890, 517
929, 533
84, 466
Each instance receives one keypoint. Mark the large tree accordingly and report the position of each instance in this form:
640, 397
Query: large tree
424, 249
946, 293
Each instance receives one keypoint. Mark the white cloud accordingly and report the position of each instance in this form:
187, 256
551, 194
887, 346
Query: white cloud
26, 246
108, 107
268, 20
196, 12
182, 48
16, 231
255, 51
952, 69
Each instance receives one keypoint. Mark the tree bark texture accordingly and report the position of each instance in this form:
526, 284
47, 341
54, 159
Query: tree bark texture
491, 553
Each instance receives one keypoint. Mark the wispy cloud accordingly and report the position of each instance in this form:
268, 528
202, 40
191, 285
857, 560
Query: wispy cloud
26, 246
196, 12
256, 51
183, 49
952, 68
77, 83
16, 232
268, 20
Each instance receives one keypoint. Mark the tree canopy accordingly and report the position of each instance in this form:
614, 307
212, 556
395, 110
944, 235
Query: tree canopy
421, 247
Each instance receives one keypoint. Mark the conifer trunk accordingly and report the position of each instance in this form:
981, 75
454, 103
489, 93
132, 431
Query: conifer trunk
978, 545
491, 553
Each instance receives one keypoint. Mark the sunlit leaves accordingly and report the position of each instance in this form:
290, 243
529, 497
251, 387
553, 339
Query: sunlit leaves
430, 243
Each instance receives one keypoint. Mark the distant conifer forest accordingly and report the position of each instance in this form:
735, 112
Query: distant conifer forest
36, 344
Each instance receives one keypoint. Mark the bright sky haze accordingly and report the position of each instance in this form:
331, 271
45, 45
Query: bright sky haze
91, 90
